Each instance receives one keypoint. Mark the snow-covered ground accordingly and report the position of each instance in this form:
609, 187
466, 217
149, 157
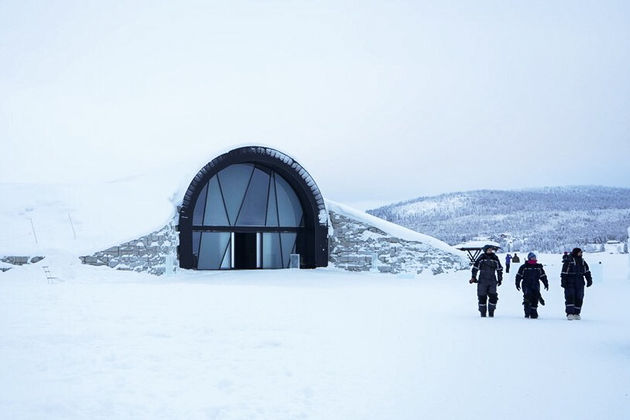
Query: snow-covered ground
313, 344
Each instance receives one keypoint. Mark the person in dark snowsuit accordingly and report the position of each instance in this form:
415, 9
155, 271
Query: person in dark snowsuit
508, 259
515, 258
574, 271
565, 257
490, 276
528, 278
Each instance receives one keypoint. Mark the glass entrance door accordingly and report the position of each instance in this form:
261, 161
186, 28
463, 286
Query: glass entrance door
246, 254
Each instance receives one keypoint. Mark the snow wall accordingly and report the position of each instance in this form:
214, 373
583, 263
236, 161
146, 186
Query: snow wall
357, 242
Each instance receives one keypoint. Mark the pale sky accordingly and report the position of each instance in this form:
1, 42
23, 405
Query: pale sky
380, 101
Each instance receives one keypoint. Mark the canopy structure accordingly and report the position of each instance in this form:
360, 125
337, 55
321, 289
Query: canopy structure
473, 249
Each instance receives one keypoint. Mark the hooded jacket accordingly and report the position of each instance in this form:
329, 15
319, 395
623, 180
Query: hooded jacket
531, 274
489, 268
574, 271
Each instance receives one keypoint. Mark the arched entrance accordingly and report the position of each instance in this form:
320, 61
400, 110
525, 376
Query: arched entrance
252, 208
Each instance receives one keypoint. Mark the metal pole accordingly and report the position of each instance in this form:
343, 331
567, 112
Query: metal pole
232, 241
258, 256
33, 228
74, 233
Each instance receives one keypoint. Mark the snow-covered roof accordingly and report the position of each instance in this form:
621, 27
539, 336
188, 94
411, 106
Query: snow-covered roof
476, 244
390, 228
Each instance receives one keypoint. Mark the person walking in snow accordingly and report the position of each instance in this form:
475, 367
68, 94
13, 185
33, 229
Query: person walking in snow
490, 276
508, 260
528, 278
574, 271
516, 259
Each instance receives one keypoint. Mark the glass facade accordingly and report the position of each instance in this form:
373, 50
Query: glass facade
246, 197
213, 247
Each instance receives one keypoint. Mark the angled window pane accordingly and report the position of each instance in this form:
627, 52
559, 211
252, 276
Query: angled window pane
212, 250
289, 207
288, 245
234, 180
271, 251
272, 208
196, 237
215, 210
254, 206
227, 258
200, 206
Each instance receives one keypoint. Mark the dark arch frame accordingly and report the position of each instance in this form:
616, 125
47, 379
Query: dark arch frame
315, 239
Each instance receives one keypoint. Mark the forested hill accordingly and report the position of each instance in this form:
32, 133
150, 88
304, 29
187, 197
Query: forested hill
547, 219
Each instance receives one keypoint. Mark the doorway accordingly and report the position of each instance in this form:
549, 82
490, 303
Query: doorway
246, 250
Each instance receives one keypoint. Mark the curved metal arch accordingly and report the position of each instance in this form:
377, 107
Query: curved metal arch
315, 245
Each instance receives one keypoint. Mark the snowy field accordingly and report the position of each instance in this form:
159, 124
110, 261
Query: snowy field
311, 344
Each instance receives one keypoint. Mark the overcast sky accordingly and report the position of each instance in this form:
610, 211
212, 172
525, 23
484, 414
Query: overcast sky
380, 101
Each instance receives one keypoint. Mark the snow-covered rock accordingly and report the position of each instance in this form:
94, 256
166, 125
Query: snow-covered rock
362, 242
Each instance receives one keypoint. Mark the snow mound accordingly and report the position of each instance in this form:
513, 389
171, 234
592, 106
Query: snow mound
390, 228
39, 219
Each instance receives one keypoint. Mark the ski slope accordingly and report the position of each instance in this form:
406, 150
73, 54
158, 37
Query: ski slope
308, 344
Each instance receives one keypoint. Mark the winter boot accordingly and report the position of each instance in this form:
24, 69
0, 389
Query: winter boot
577, 317
482, 310
570, 317
491, 312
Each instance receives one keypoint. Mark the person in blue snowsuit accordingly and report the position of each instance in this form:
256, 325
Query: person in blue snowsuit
490, 276
574, 271
508, 260
528, 278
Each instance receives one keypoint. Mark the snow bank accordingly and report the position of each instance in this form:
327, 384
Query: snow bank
390, 228
38, 219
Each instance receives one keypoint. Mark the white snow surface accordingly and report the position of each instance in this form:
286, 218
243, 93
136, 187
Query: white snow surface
41, 219
390, 228
308, 344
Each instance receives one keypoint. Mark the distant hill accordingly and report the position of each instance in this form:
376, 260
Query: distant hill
546, 219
